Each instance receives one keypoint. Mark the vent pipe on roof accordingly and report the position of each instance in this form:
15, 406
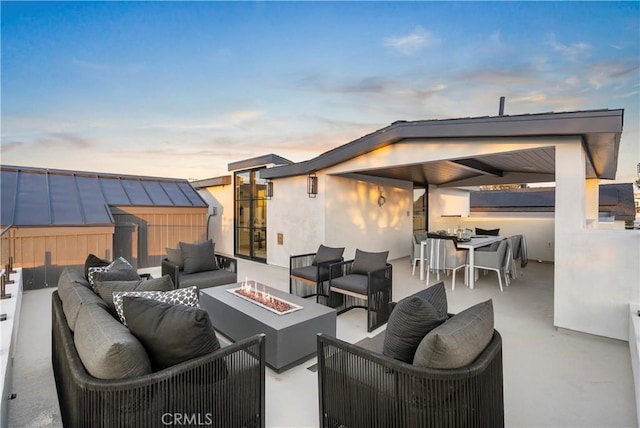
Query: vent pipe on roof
501, 110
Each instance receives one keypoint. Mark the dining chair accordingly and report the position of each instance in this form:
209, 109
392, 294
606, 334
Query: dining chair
416, 239
497, 261
444, 256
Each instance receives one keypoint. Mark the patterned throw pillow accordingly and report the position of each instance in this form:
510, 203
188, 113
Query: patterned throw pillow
120, 265
181, 296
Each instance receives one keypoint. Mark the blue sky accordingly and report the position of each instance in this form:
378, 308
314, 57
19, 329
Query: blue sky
180, 89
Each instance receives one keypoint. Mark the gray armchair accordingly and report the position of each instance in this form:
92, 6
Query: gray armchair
364, 282
311, 270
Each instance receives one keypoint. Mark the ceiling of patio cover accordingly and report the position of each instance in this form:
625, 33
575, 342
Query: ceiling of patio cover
43, 197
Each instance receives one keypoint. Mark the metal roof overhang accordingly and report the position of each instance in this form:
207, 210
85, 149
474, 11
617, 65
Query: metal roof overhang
600, 131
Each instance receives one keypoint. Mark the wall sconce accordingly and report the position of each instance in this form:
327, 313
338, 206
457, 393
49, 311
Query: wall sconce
269, 189
312, 185
381, 198
214, 211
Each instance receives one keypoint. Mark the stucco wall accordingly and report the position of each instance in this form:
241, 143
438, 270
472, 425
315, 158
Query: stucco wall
354, 219
220, 198
297, 217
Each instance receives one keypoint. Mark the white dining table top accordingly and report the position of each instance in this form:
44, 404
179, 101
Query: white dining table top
479, 241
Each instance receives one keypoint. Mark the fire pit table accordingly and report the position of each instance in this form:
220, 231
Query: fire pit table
290, 334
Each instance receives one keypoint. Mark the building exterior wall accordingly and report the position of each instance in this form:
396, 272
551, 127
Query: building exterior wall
162, 227
596, 271
220, 199
43, 252
299, 219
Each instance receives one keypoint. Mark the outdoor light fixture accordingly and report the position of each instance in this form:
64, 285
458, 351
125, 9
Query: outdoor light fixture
312, 185
381, 198
269, 189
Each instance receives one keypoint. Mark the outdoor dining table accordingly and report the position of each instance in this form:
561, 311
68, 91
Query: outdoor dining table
475, 242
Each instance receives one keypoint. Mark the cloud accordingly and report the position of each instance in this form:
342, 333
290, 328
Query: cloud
411, 43
225, 121
65, 139
572, 52
11, 146
607, 73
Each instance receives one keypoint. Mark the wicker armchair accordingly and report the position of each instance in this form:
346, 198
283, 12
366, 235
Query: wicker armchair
309, 278
225, 388
371, 290
359, 388
226, 274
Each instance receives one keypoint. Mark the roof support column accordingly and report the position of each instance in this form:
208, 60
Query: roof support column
592, 201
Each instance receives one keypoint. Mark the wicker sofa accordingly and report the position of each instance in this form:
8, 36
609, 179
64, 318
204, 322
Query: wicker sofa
361, 387
222, 388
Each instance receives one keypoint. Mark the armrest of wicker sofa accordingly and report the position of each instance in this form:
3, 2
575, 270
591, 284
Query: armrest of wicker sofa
359, 387
226, 387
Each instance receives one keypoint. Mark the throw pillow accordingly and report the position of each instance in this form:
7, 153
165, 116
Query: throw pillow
365, 262
119, 270
327, 254
183, 296
174, 255
489, 232
171, 334
412, 318
105, 289
94, 261
198, 257
458, 341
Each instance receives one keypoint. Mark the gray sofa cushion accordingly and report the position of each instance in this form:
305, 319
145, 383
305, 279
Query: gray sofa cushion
206, 279
198, 257
105, 289
74, 292
171, 334
106, 348
182, 296
458, 341
327, 254
412, 318
365, 262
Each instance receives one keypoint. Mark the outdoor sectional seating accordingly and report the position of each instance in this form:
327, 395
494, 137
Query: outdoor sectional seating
362, 386
103, 376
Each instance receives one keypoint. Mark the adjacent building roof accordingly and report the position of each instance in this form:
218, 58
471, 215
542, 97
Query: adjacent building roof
615, 200
47, 197
600, 131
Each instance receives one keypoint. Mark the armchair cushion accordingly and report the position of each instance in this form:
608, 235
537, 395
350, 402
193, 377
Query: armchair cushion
489, 232
198, 257
365, 262
355, 283
174, 255
327, 254
411, 319
458, 341
171, 334
311, 273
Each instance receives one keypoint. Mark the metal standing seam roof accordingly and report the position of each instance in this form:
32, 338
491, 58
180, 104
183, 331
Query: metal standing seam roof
46, 197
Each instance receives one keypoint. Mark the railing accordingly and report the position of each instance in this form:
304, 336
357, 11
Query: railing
6, 245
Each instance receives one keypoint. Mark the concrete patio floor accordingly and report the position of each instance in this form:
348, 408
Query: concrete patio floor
552, 377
